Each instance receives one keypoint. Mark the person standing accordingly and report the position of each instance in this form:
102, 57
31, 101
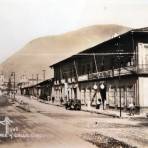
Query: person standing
131, 109
98, 104
53, 98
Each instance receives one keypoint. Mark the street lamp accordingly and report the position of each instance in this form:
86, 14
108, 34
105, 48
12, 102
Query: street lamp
103, 93
102, 86
95, 87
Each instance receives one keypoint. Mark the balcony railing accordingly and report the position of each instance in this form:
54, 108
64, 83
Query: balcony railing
62, 81
109, 73
83, 78
128, 70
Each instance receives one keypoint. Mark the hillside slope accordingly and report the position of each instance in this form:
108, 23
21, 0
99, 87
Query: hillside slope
38, 54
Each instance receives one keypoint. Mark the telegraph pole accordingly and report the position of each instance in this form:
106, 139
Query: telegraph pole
120, 87
13, 74
44, 71
14, 85
119, 64
37, 78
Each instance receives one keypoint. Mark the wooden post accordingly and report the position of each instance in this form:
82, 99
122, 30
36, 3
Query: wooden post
76, 69
96, 65
61, 73
14, 86
120, 89
44, 77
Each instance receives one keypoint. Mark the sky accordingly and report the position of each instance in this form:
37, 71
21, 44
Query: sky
24, 20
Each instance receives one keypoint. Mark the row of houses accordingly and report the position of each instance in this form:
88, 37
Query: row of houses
115, 71
40, 90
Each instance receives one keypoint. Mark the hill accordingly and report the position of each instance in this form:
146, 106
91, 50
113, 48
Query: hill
38, 54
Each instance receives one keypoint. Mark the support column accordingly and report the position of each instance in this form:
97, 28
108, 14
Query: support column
125, 97
78, 93
83, 96
88, 98
71, 93
107, 97
93, 96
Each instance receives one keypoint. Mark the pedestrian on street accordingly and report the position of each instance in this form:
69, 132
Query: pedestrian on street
61, 100
53, 98
98, 104
131, 109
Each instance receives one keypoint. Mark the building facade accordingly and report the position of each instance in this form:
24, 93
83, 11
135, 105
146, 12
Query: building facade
115, 71
40, 90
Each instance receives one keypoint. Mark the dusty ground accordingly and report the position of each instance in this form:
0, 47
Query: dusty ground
51, 126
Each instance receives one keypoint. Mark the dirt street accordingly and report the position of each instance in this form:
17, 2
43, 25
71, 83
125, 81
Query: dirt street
51, 126
45, 126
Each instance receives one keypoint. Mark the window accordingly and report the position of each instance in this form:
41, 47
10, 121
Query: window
143, 55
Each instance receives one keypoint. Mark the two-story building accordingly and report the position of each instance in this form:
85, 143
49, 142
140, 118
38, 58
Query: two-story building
115, 71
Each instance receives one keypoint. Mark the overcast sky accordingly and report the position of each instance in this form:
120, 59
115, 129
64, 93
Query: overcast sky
24, 20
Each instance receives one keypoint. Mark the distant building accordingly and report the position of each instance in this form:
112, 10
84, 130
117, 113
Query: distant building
2, 83
24, 81
115, 70
40, 90
2, 79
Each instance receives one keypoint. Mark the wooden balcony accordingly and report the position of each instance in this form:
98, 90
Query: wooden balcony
108, 74
83, 78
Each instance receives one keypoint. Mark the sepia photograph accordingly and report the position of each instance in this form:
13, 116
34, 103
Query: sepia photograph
73, 74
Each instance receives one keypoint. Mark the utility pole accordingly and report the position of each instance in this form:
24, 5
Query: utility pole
13, 75
119, 64
96, 65
44, 71
37, 78
32, 79
120, 87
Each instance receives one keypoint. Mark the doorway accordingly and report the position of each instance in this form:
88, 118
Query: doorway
75, 93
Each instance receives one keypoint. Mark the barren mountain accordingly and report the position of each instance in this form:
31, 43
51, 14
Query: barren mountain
38, 54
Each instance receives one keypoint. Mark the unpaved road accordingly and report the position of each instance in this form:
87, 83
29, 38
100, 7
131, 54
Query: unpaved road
48, 126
